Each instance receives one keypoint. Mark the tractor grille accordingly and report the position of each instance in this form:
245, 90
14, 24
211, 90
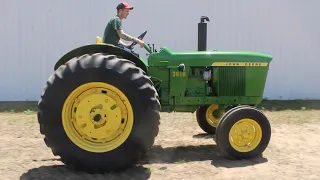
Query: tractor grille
231, 81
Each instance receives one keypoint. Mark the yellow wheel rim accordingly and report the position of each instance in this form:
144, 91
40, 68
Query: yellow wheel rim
211, 119
97, 117
245, 135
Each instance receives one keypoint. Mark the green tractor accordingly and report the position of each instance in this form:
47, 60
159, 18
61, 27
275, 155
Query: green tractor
100, 109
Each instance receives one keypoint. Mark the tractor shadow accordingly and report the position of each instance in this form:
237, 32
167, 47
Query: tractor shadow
203, 136
185, 154
59, 172
157, 154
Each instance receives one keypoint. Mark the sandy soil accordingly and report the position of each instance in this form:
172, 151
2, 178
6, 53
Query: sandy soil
181, 151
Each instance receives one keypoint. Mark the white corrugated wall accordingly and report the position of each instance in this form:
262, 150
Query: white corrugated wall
35, 33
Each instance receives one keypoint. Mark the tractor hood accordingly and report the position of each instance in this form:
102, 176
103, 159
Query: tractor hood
166, 57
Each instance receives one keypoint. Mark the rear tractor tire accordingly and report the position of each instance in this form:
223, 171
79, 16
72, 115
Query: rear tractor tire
208, 117
243, 132
99, 113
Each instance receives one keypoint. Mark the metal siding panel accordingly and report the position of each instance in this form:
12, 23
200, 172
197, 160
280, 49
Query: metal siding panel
35, 34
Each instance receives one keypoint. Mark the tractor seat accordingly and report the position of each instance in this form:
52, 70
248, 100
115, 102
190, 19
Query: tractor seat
99, 40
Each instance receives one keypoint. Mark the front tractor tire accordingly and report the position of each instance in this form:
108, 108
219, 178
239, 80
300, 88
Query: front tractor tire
208, 117
99, 113
243, 132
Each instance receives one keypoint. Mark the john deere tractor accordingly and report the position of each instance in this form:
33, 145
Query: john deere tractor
100, 109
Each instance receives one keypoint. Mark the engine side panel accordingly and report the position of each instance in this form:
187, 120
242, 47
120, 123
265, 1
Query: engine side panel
238, 80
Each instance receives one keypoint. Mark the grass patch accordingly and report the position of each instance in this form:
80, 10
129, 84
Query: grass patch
180, 161
280, 105
293, 116
27, 107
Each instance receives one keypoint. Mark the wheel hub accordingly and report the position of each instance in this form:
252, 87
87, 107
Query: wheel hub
213, 115
97, 117
245, 135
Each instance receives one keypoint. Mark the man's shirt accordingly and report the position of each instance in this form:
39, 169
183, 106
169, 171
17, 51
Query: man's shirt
110, 33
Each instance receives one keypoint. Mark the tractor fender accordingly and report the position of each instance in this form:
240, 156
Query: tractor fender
101, 48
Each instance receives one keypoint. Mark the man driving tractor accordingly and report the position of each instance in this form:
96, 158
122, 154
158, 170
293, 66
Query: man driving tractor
113, 32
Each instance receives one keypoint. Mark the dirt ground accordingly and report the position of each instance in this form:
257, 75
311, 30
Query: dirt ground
181, 151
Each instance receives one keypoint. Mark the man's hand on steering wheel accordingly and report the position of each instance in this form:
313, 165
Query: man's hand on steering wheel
137, 41
140, 42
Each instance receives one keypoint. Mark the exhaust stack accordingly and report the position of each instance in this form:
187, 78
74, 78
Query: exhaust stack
202, 33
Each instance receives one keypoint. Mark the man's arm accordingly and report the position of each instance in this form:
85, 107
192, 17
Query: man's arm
122, 35
125, 36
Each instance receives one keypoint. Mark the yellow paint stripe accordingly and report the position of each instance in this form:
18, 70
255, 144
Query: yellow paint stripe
239, 64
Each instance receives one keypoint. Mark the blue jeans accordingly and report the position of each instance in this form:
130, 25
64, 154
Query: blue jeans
127, 49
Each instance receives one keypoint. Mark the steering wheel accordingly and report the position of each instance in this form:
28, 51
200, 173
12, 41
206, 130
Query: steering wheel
139, 37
